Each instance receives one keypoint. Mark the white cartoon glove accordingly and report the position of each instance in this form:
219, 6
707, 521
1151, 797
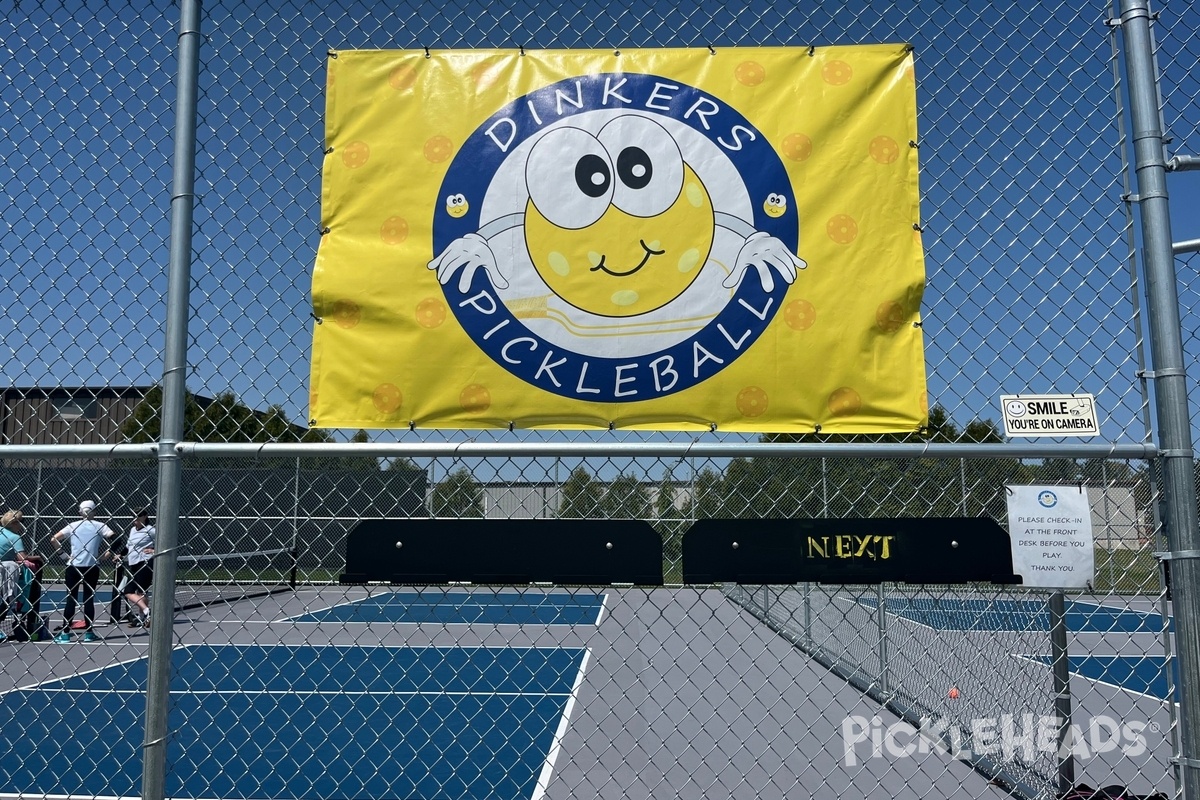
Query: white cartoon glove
763, 251
471, 252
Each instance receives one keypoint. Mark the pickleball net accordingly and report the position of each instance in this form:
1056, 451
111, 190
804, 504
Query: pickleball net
203, 580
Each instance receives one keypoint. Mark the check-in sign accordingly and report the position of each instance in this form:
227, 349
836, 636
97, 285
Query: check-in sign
1050, 415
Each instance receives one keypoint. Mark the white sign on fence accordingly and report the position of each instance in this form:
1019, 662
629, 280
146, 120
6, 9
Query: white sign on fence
1051, 532
1049, 415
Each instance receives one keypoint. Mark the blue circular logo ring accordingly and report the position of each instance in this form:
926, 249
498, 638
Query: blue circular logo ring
557, 369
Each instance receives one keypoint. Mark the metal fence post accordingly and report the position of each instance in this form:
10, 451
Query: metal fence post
881, 627
1170, 380
1061, 668
170, 468
37, 509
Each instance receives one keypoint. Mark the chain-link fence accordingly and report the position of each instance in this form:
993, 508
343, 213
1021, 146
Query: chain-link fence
275, 679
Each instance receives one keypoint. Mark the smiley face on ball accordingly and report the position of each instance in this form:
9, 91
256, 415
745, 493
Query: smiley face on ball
616, 224
775, 205
457, 205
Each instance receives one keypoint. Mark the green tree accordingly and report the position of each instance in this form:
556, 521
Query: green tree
1057, 470
664, 501
625, 498
144, 424
227, 419
850, 486
580, 495
708, 495
459, 495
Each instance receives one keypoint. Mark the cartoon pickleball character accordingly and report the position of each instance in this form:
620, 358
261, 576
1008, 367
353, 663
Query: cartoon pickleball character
617, 223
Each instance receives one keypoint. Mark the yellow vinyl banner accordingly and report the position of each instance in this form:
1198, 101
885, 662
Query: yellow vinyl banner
655, 239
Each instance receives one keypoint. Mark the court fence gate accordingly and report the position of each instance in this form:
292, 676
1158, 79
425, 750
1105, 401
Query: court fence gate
1048, 144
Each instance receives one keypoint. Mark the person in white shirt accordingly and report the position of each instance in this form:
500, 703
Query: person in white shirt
83, 567
139, 547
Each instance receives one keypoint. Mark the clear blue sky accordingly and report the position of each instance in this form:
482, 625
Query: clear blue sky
1025, 242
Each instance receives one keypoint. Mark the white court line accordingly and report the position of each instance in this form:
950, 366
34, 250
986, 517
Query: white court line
96, 670
40, 796
296, 619
1038, 660
381, 646
1146, 615
539, 791
345, 602
899, 615
314, 693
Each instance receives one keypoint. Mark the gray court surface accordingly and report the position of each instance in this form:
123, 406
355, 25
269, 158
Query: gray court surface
683, 695
1122, 720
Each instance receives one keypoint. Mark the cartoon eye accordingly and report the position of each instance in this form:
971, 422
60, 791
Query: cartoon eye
649, 165
777, 200
570, 178
456, 200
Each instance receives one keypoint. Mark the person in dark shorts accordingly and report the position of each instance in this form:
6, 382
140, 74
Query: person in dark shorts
139, 548
82, 541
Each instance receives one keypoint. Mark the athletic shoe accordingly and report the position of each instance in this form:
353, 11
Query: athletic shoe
90, 637
63, 638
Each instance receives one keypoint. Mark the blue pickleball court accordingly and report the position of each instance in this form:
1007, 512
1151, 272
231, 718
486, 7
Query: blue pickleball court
292, 722
1140, 674
448, 608
993, 614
